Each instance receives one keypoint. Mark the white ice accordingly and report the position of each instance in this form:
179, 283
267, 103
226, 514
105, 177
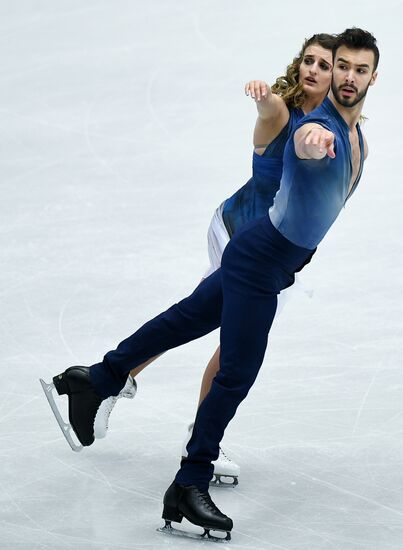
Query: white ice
123, 125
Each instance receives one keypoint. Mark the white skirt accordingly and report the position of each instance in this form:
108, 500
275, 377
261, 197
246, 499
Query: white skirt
217, 240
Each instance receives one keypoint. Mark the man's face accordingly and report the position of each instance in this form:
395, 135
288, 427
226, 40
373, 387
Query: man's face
352, 75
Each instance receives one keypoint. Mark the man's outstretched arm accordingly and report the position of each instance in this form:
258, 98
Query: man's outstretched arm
312, 141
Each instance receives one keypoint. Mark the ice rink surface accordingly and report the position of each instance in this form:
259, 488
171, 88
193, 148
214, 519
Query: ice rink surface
123, 126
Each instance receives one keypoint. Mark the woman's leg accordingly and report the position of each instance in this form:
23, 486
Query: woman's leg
134, 372
209, 374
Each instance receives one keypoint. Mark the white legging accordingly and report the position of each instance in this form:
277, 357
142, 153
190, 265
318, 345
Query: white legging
217, 240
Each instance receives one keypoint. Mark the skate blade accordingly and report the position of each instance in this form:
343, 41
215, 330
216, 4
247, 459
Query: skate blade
169, 530
219, 480
67, 430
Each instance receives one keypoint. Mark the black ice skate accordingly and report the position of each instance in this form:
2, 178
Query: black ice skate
198, 508
83, 405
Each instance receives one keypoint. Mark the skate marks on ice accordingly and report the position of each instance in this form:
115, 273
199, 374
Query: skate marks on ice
65, 427
206, 536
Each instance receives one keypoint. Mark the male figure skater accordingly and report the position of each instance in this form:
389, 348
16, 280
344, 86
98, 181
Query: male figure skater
323, 162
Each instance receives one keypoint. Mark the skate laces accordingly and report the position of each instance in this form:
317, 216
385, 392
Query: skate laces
110, 403
223, 456
206, 499
130, 388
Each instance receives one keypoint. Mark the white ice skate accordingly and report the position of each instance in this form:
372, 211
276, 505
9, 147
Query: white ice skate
106, 407
226, 471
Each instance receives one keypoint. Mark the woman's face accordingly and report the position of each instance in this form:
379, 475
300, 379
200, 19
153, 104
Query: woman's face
315, 72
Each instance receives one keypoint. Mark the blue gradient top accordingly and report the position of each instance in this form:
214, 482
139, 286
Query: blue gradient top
313, 192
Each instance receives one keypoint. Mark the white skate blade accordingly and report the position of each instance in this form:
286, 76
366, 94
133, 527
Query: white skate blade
206, 537
220, 480
66, 428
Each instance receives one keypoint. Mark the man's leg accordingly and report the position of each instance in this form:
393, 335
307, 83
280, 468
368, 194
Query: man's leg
246, 321
257, 264
191, 318
250, 285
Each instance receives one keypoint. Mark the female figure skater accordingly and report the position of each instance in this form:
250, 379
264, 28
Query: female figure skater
280, 107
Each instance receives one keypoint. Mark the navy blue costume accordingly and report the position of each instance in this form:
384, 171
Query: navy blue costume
241, 297
253, 200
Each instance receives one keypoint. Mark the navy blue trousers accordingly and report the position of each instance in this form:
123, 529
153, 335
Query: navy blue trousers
241, 297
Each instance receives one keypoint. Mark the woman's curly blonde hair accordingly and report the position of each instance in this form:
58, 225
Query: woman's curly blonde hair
288, 87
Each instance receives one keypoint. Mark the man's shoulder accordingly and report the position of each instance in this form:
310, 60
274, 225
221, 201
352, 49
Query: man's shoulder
317, 118
323, 115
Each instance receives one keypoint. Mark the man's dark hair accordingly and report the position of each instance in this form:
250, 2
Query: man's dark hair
357, 39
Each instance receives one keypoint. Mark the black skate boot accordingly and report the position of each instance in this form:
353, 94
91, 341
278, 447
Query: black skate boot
198, 508
83, 404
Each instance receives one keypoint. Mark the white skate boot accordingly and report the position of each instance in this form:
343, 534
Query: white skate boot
106, 407
226, 471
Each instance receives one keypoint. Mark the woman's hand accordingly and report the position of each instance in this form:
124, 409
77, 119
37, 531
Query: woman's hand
257, 89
